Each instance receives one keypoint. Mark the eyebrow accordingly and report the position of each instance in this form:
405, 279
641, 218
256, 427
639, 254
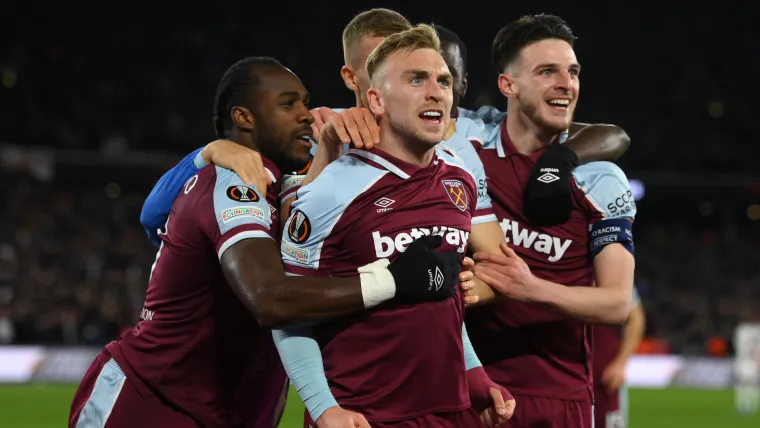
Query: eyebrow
295, 94
574, 66
426, 74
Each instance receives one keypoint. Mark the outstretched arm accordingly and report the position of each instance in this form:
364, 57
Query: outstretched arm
610, 246
607, 303
253, 268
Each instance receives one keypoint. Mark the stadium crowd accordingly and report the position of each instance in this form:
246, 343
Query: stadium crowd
74, 264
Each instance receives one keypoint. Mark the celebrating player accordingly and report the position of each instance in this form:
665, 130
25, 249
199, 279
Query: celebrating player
547, 200
198, 357
528, 343
612, 349
397, 364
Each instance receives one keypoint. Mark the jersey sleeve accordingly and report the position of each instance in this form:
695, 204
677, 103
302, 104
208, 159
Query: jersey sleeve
607, 190
310, 223
316, 211
239, 212
159, 203
302, 360
461, 148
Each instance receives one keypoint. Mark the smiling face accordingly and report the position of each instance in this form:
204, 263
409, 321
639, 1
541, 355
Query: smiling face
412, 92
544, 83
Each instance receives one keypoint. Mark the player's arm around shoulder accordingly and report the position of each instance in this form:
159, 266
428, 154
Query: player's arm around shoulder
254, 268
159, 202
597, 142
334, 129
611, 241
241, 230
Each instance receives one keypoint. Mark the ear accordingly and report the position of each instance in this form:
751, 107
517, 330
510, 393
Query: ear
465, 85
376, 103
507, 85
243, 118
349, 77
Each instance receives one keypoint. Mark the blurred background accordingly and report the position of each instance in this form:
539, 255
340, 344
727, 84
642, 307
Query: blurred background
98, 101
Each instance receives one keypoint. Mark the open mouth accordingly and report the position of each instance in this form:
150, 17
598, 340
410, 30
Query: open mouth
559, 104
306, 140
432, 116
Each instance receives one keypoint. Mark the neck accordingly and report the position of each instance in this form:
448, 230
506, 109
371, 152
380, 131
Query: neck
526, 135
244, 139
359, 103
407, 149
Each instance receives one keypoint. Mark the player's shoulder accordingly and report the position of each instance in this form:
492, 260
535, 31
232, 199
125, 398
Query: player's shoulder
202, 182
607, 188
339, 183
223, 175
481, 134
459, 145
225, 179
452, 160
600, 177
484, 113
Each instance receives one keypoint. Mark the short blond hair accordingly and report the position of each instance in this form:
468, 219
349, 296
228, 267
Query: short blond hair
372, 23
422, 36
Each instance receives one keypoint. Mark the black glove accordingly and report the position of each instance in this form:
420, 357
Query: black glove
421, 274
548, 197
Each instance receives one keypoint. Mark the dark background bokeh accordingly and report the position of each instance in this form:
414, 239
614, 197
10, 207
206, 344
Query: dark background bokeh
98, 101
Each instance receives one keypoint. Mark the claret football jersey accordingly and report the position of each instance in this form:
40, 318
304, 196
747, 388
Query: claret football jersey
395, 361
530, 348
196, 345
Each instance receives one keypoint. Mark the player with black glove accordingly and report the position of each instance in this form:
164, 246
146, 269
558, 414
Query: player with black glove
548, 197
418, 274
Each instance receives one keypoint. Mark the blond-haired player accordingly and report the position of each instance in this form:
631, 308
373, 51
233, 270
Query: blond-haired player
398, 364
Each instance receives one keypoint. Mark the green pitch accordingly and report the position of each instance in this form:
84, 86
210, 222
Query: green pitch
47, 406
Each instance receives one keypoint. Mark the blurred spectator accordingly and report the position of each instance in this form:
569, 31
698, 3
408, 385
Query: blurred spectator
74, 266
73, 262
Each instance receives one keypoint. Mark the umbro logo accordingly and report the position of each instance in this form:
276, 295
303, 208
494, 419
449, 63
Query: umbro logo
548, 178
438, 279
384, 203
